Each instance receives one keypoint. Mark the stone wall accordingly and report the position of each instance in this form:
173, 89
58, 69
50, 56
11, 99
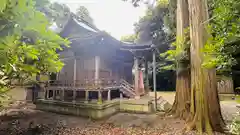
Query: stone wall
136, 108
94, 111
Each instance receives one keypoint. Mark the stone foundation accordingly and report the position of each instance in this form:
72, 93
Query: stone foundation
97, 110
136, 106
91, 110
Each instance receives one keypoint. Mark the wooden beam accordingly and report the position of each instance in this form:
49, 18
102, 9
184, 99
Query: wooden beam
63, 95
154, 81
74, 78
86, 96
136, 77
146, 49
146, 75
78, 57
109, 95
100, 97
97, 67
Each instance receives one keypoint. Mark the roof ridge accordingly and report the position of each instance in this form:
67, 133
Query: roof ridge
84, 21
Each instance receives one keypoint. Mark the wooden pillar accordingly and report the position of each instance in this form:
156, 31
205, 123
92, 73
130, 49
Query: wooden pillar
86, 96
47, 94
109, 95
121, 95
97, 65
111, 74
54, 94
74, 78
100, 97
74, 71
154, 80
57, 76
136, 77
63, 95
146, 76
38, 77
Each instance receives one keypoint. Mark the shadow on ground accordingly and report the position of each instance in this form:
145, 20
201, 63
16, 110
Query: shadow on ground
28, 121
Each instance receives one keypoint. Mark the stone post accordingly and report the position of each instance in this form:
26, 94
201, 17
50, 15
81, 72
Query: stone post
109, 95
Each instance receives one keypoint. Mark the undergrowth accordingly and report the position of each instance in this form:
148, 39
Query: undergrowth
235, 125
238, 98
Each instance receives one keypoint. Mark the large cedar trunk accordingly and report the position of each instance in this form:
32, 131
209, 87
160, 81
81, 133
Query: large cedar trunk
205, 107
180, 107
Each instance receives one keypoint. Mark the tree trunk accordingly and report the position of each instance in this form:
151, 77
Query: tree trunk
181, 104
205, 107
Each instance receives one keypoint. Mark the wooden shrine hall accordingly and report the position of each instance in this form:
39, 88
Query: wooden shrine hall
97, 66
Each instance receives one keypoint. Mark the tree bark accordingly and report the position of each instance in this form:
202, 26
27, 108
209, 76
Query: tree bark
181, 104
205, 107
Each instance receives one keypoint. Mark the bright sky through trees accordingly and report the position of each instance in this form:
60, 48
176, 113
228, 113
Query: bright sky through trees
114, 16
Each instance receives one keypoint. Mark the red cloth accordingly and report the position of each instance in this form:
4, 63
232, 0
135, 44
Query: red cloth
140, 82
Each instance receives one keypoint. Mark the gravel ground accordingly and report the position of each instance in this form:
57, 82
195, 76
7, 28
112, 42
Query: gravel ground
25, 120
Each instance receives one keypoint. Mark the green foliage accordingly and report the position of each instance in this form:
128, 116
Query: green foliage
170, 18
178, 54
235, 125
238, 97
225, 30
55, 12
129, 38
152, 23
224, 26
27, 46
83, 14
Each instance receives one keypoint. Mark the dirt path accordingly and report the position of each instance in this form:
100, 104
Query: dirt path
18, 121
27, 121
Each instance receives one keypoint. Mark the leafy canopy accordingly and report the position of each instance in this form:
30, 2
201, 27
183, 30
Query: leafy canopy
129, 38
225, 30
224, 27
27, 46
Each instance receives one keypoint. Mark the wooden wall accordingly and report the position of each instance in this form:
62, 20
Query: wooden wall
225, 85
66, 54
86, 68
104, 68
66, 74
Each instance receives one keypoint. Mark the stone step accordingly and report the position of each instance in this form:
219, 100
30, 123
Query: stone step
162, 104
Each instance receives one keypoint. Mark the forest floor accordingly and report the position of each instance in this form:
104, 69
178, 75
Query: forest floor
19, 119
